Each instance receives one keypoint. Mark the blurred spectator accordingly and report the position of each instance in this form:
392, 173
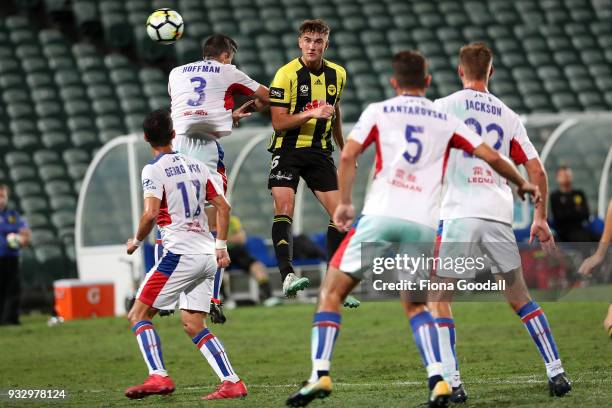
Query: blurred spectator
14, 234
240, 257
570, 210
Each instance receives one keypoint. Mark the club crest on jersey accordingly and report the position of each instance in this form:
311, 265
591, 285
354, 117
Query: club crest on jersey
277, 93
303, 90
331, 89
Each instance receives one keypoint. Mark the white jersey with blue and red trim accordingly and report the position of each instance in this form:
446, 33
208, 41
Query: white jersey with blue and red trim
474, 189
202, 98
412, 139
183, 185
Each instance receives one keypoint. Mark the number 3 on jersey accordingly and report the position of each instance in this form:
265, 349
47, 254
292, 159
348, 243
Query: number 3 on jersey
491, 127
198, 89
412, 156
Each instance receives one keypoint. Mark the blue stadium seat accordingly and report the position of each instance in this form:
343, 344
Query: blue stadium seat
258, 249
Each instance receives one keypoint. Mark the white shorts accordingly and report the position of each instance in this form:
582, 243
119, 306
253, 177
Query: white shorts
208, 152
385, 237
186, 278
478, 237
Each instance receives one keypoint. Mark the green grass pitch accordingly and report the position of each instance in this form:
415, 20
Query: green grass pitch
375, 363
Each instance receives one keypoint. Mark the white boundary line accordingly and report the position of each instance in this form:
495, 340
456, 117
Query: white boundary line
522, 379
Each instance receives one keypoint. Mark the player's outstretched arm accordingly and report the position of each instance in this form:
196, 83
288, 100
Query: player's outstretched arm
337, 127
539, 227
598, 257
262, 98
147, 220
345, 213
506, 169
223, 215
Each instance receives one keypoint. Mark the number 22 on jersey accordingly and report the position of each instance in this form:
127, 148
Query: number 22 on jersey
491, 127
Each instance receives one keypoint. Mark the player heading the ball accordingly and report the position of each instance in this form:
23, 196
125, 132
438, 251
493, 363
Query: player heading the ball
202, 99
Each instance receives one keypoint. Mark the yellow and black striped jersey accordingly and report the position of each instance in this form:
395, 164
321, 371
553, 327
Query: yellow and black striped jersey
296, 88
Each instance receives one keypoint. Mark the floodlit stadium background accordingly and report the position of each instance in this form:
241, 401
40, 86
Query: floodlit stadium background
77, 75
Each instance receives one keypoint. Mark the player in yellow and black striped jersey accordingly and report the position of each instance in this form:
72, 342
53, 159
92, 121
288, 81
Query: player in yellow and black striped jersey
305, 108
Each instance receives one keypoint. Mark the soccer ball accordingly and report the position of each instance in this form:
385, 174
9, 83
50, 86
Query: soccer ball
13, 240
165, 26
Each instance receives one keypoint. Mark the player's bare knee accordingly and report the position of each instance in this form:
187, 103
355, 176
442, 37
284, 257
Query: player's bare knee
193, 327
284, 201
440, 308
413, 308
136, 315
190, 329
436, 308
325, 295
330, 298
284, 207
193, 321
130, 317
334, 288
517, 304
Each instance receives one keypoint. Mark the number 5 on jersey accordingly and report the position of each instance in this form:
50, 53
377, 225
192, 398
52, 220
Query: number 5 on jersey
412, 140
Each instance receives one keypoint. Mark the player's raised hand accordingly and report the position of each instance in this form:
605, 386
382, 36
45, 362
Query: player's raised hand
532, 190
223, 259
344, 216
541, 230
241, 112
590, 263
131, 248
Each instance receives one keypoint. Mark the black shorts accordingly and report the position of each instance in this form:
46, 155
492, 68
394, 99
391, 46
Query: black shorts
315, 166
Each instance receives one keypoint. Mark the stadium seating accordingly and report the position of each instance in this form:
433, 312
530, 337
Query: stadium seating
544, 33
